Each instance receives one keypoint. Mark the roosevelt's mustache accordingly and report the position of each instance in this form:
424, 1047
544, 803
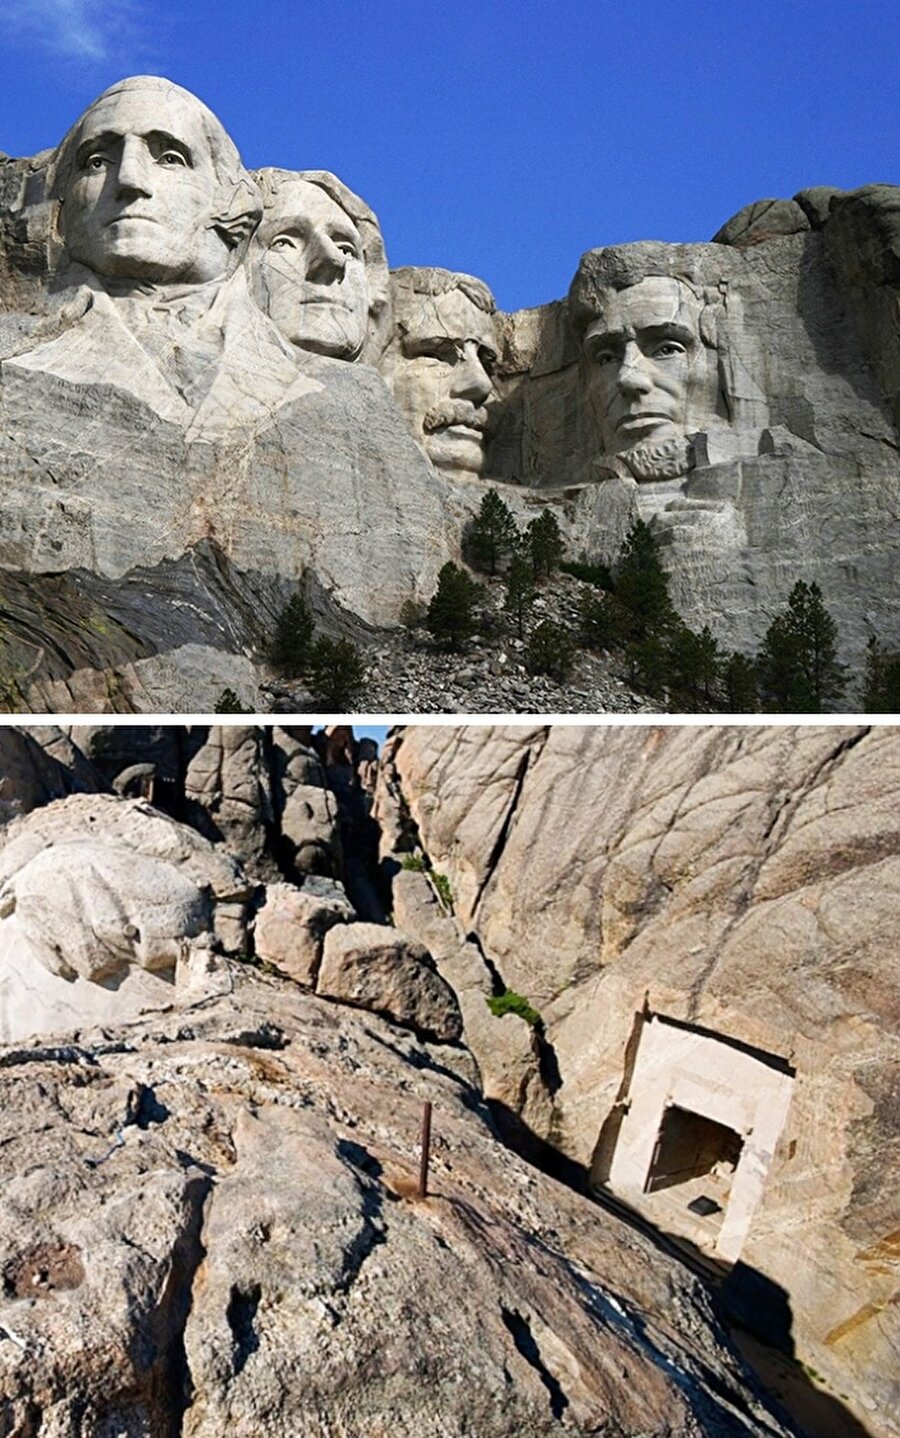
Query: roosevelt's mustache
454, 411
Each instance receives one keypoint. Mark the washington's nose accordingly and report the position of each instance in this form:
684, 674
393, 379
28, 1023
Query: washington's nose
633, 377
133, 176
326, 261
471, 380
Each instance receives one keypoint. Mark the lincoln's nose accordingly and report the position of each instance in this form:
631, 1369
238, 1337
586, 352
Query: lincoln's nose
632, 377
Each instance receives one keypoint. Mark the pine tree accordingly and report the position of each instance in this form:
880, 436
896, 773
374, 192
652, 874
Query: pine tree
229, 703
648, 664
693, 660
544, 544
797, 662
520, 590
493, 533
881, 680
739, 683
336, 672
451, 617
293, 639
551, 650
604, 623
641, 582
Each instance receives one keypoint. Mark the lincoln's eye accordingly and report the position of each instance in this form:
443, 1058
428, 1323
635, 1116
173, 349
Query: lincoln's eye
668, 349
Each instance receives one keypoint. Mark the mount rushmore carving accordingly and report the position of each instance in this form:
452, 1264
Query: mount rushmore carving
212, 389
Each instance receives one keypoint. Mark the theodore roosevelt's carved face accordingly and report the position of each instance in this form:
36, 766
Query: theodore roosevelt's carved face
142, 189
647, 364
439, 368
310, 272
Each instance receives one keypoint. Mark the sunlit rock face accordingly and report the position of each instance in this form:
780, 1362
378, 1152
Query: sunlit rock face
159, 414
191, 424
207, 1166
705, 919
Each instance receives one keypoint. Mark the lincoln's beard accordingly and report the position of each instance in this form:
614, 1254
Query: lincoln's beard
659, 459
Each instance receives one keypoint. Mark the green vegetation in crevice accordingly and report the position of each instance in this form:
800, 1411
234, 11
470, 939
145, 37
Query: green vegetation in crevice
509, 1002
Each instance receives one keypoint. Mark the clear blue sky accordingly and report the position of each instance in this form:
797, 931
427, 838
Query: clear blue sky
502, 137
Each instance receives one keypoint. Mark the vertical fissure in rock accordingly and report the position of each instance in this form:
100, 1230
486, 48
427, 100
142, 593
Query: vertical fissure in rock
522, 1336
532, 754
172, 1385
241, 1315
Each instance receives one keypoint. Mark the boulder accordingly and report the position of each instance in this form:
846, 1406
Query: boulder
290, 928
107, 909
374, 967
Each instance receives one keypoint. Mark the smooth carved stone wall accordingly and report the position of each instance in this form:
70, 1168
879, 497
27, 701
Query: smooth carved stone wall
741, 885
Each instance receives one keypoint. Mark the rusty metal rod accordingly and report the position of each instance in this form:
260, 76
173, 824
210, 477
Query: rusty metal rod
426, 1149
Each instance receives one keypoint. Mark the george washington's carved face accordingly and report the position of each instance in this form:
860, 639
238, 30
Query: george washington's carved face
310, 273
142, 189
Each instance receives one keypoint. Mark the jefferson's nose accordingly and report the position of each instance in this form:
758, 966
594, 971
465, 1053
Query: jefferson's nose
633, 377
134, 174
470, 380
326, 262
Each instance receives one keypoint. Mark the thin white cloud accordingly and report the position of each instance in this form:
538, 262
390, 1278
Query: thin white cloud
81, 30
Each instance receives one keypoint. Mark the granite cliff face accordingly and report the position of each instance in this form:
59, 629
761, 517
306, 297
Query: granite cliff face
209, 1218
194, 425
706, 920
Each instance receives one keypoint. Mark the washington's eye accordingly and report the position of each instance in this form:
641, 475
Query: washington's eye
97, 161
348, 248
283, 242
172, 158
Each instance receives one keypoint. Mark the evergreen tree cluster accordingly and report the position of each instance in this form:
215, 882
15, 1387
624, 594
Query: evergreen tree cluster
494, 542
333, 668
629, 609
795, 671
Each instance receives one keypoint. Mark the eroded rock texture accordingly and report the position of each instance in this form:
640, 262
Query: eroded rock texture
209, 1210
218, 1234
707, 921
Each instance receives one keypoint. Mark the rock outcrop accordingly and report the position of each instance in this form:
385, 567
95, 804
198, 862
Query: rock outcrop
706, 920
220, 1226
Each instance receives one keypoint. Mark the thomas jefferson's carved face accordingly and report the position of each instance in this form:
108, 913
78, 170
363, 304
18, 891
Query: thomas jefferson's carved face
440, 373
310, 274
647, 364
139, 200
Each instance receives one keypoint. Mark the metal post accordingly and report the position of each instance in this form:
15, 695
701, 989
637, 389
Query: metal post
426, 1148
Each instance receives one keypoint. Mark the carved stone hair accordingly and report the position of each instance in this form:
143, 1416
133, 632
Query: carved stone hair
618, 267
239, 204
432, 281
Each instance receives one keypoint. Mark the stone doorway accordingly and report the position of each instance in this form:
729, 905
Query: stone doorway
699, 1127
690, 1146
